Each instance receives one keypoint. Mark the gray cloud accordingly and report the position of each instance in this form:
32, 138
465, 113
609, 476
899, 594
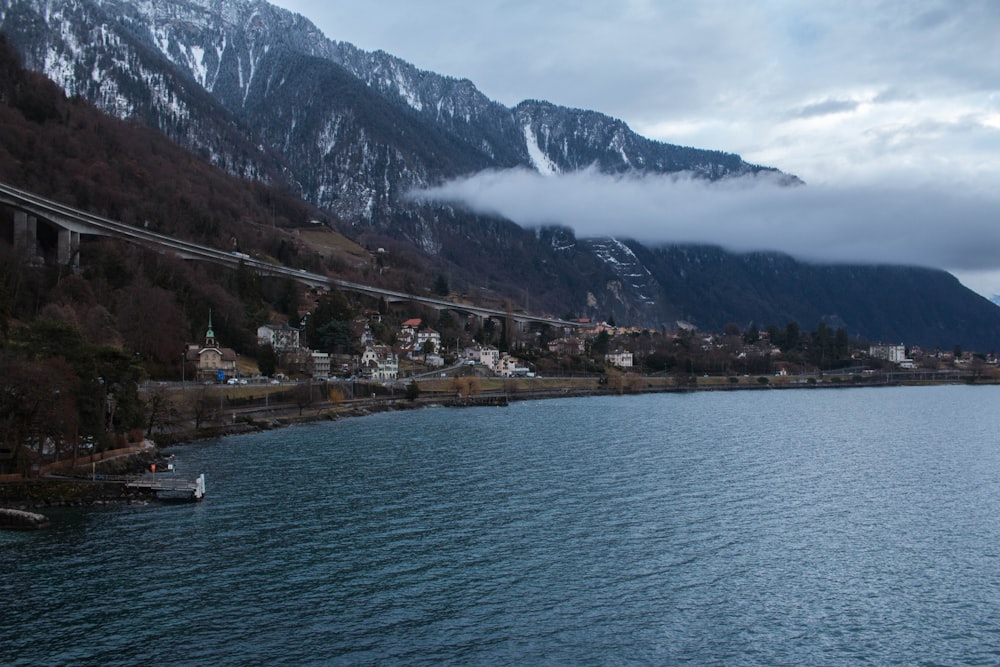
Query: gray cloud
638, 60
838, 93
934, 225
826, 107
893, 94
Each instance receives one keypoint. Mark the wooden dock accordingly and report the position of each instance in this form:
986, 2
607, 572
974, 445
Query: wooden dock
167, 486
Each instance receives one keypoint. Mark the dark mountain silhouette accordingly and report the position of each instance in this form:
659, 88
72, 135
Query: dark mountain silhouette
262, 94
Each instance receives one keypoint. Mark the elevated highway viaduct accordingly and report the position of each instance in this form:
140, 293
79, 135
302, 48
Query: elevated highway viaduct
48, 230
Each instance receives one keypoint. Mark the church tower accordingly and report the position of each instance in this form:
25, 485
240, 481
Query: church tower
210, 334
212, 361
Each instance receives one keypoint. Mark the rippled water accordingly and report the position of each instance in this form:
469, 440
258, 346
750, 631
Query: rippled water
772, 528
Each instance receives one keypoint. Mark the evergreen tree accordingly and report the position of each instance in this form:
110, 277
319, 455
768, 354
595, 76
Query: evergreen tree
822, 346
412, 391
335, 337
288, 299
267, 360
601, 344
775, 336
441, 286
842, 345
791, 339
331, 317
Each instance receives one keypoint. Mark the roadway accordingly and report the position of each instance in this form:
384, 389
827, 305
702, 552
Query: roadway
83, 222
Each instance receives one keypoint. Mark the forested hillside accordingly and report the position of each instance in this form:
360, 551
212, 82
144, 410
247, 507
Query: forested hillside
263, 94
65, 149
74, 342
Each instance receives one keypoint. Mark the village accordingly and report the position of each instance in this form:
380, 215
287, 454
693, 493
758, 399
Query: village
418, 350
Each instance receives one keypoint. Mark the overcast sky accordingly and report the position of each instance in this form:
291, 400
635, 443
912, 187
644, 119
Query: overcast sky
888, 110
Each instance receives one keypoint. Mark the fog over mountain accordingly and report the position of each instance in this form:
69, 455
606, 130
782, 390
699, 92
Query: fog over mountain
932, 225
609, 223
892, 104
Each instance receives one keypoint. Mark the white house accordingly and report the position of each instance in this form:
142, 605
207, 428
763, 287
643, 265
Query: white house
619, 358
511, 367
487, 356
367, 336
281, 337
426, 335
407, 336
379, 362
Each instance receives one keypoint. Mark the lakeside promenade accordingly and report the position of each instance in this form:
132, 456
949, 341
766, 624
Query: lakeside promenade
245, 409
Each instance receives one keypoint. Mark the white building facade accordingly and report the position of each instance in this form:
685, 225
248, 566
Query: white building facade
894, 353
619, 358
379, 363
320, 362
427, 335
280, 337
487, 356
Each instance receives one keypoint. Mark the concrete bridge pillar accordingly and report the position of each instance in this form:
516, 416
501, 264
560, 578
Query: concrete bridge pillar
26, 233
20, 228
69, 247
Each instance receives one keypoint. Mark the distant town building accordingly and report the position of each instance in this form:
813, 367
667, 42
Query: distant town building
894, 353
361, 329
413, 336
486, 355
379, 363
210, 359
509, 366
619, 358
280, 337
320, 364
569, 345
406, 339
427, 335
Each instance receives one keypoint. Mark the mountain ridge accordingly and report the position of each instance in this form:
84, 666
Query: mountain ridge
261, 92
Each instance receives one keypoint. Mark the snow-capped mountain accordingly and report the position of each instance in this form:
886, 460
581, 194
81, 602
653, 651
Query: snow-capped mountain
352, 128
262, 93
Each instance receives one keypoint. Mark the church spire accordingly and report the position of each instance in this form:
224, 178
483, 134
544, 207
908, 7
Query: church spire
210, 334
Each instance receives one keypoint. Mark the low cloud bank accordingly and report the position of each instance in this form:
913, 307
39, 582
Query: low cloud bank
937, 225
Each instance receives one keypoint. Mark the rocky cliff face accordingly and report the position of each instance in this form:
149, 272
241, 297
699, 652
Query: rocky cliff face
351, 129
262, 93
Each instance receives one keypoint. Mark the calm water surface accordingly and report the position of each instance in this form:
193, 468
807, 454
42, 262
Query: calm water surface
755, 528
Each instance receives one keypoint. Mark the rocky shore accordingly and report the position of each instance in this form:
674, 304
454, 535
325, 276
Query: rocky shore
20, 520
69, 488
45, 493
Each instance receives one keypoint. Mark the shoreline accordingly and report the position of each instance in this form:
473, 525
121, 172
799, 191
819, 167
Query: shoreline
253, 420
54, 492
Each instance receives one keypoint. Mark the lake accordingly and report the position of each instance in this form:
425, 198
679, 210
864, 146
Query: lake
773, 527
